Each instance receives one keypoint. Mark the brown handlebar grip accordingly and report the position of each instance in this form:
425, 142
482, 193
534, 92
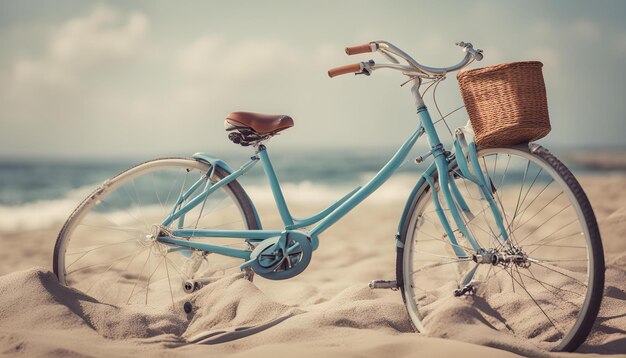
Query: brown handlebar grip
354, 68
354, 50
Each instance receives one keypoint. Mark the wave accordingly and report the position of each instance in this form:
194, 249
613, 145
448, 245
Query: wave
397, 188
45, 214
41, 214
37, 215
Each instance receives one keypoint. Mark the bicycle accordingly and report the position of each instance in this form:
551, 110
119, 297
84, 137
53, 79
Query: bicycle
473, 228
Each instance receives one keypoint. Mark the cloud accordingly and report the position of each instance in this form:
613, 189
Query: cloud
571, 30
541, 29
328, 54
83, 44
212, 70
620, 43
586, 29
213, 57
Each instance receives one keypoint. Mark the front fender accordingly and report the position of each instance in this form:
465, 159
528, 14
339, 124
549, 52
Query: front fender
408, 206
402, 225
217, 162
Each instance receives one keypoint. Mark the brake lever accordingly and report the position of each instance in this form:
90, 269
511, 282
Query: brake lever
365, 70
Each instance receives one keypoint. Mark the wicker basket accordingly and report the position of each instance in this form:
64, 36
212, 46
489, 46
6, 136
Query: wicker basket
506, 103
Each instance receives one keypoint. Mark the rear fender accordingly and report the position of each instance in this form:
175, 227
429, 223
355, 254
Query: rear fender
212, 161
217, 162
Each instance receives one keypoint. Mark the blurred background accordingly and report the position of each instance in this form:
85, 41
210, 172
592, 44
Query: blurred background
88, 88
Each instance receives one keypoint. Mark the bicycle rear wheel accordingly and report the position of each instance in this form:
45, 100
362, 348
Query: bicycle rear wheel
543, 285
105, 249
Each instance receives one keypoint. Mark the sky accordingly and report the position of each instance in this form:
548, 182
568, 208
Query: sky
81, 79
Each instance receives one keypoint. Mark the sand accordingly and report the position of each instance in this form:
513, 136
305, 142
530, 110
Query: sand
326, 311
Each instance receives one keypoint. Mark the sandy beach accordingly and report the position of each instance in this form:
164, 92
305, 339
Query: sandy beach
326, 311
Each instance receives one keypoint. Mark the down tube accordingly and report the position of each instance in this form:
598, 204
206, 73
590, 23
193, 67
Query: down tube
378, 180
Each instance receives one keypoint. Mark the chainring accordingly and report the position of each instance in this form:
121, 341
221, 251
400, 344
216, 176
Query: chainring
282, 257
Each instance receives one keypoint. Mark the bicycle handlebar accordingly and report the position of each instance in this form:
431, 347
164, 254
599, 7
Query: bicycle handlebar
414, 68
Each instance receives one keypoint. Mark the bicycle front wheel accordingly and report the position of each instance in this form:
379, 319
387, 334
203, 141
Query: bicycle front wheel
106, 250
544, 284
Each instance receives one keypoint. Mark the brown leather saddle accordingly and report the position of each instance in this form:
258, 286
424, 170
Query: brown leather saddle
248, 128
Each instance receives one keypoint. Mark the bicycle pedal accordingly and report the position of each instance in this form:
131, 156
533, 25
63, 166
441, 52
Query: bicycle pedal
383, 284
190, 286
469, 289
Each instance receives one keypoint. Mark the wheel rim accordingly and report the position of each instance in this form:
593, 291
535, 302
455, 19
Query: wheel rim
556, 291
107, 247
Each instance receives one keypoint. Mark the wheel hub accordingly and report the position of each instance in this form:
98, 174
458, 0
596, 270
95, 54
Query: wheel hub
507, 257
150, 240
154, 232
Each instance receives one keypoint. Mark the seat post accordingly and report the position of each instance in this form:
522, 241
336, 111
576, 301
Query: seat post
283, 210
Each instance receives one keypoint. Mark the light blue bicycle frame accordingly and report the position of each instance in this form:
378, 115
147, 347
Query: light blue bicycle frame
329, 216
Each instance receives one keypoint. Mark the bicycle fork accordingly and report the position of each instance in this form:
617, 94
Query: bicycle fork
450, 193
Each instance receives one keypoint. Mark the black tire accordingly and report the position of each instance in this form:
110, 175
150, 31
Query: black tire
593, 298
232, 190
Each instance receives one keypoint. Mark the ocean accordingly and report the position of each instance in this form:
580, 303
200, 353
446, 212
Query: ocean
37, 194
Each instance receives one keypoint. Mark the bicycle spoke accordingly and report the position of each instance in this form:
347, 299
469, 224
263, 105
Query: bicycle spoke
156, 192
523, 212
562, 246
114, 228
447, 242
131, 240
521, 188
530, 188
105, 271
182, 189
203, 205
504, 216
484, 208
505, 171
471, 232
543, 240
546, 266
96, 265
126, 211
495, 165
538, 212
489, 270
169, 280
121, 274
439, 264
139, 206
545, 222
148, 280
536, 303
519, 196
437, 255
543, 283
178, 269
139, 276
169, 193
135, 205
